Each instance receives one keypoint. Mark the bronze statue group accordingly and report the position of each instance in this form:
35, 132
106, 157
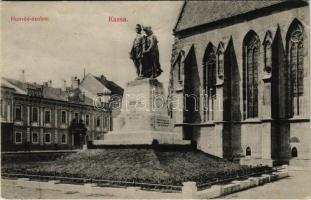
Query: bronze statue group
145, 53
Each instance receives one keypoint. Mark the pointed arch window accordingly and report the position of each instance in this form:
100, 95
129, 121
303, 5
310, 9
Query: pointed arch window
180, 80
295, 49
220, 60
179, 68
296, 62
268, 53
250, 72
209, 78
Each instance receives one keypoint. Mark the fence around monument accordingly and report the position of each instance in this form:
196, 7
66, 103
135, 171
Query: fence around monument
238, 177
114, 183
99, 182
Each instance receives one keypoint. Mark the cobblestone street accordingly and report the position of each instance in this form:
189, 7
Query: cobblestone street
297, 186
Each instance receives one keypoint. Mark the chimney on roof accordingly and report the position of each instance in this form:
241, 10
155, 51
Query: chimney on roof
50, 83
22, 76
75, 82
103, 78
64, 85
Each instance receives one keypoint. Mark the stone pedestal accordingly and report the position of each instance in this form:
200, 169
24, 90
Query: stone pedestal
189, 190
144, 118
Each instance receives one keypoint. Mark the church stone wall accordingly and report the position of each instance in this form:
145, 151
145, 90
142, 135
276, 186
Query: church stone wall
301, 131
259, 134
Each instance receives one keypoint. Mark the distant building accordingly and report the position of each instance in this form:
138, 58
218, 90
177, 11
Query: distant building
99, 86
241, 72
39, 117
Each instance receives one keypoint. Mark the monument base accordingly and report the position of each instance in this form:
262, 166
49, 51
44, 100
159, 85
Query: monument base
141, 138
144, 118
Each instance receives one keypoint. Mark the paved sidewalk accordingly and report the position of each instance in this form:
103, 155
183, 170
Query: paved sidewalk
9, 191
41, 151
297, 186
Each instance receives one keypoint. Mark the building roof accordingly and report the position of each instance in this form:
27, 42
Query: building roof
48, 92
11, 83
196, 13
92, 85
113, 87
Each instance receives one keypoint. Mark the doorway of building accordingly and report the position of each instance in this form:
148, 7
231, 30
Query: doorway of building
294, 152
78, 130
248, 151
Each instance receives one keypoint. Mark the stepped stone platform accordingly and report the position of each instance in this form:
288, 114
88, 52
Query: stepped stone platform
144, 117
141, 138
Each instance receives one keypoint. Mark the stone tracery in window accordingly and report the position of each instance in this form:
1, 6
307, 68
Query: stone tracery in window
251, 47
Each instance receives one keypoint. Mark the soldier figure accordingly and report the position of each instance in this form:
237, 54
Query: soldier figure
136, 53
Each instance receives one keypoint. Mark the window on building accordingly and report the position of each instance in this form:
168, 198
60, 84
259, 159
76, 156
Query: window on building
47, 138
268, 52
294, 140
108, 123
35, 138
105, 122
18, 112
250, 75
47, 117
295, 49
35, 114
98, 121
64, 116
179, 71
2, 108
77, 116
220, 60
18, 138
170, 110
87, 120
64, 138
248, 151
209, 77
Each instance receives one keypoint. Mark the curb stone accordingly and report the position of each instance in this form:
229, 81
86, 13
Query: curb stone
189, 189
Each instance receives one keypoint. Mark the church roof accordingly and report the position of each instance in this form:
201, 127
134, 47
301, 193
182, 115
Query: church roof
196, 13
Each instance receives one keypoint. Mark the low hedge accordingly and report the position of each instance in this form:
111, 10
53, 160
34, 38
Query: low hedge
143, 166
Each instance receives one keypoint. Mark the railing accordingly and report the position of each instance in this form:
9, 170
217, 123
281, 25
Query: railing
100, 182
238, 177
114, 183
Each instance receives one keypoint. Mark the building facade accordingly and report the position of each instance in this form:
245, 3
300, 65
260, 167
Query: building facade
40, 117
240, 76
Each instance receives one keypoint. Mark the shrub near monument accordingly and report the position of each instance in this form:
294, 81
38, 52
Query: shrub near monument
143, 166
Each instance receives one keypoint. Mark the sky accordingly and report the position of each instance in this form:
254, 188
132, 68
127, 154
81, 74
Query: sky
79, 35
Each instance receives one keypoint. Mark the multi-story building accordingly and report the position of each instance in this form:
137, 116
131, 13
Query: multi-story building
35, 117
240, 73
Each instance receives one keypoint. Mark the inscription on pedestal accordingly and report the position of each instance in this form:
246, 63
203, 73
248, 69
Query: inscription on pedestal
143, 117
162, 122
133, 116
